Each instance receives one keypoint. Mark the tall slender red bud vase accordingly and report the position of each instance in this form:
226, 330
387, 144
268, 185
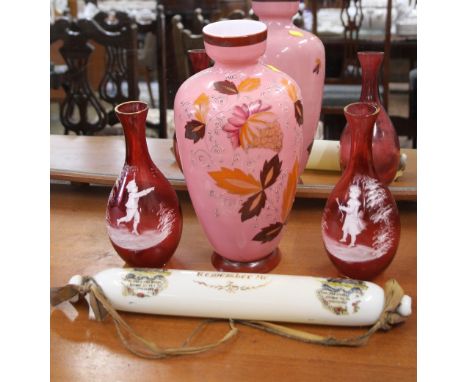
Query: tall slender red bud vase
385, 144
240, 144
301, 55
144, 220
360, 222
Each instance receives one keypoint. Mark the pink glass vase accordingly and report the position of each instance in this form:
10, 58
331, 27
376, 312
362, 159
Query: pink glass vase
240, 145
360, 222
144, 220
199, 61
385, 144
301, 55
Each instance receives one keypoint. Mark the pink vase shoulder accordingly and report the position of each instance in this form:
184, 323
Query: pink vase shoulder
239, 141
298, 53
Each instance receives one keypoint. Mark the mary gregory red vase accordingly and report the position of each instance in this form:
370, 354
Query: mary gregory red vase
385, 144
360, 222
144, 220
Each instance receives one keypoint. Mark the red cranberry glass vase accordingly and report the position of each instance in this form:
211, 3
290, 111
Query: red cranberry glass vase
199, 60
144, 220
360, 222
385, 144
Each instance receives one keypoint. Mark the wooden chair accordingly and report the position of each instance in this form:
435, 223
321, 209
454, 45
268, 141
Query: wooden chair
162, 70
157, 31
344, 89
199, 21
184, 40
117, 33
82, 111
408, 126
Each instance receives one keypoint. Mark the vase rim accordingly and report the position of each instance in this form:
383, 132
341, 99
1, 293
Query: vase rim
128, 103
232, 33
361, 109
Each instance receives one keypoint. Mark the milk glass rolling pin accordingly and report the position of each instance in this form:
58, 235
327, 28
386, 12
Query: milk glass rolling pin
245, 296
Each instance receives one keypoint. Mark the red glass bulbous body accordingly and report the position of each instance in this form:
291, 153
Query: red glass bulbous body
385, 144
143, 216
360, 222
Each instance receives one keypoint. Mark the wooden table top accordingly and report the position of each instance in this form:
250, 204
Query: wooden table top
85, 350
98, 160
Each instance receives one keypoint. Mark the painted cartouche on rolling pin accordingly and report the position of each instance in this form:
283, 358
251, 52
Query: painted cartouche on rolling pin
248, 296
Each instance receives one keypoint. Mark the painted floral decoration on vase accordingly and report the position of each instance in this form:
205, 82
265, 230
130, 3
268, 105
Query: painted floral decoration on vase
199, 61
143, 216
360, 222
300, 54
240, 145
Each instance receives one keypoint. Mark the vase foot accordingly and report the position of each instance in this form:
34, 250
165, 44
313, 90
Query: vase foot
263, 265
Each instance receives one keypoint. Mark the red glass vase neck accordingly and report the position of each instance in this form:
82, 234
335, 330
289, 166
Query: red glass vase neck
133, 118
199, 60
370, 66
361, 119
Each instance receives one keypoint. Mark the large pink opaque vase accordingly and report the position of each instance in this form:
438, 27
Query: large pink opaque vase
301, 55
240, 146
385, 143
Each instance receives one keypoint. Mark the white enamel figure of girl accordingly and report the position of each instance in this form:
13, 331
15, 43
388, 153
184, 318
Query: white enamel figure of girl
132, 205
353, 223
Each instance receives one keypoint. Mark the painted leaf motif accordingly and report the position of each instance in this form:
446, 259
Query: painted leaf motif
202, 104
268, 233
226, 87
270, 172
249, 84
296, 33
261, 120
290, 191
246, 135
299, 112
194, 130
291, 89
253, 206
235, 181
249, 131
317, 66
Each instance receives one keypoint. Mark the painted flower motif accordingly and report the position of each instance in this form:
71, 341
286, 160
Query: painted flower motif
252, 125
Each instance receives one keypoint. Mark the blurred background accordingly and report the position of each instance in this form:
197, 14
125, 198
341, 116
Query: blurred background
103, 53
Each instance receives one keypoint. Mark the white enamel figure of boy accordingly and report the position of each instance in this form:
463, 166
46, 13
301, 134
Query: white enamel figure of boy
353, 223
132, 205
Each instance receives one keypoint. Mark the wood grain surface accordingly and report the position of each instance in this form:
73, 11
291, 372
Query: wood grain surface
83, 350
98, 160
